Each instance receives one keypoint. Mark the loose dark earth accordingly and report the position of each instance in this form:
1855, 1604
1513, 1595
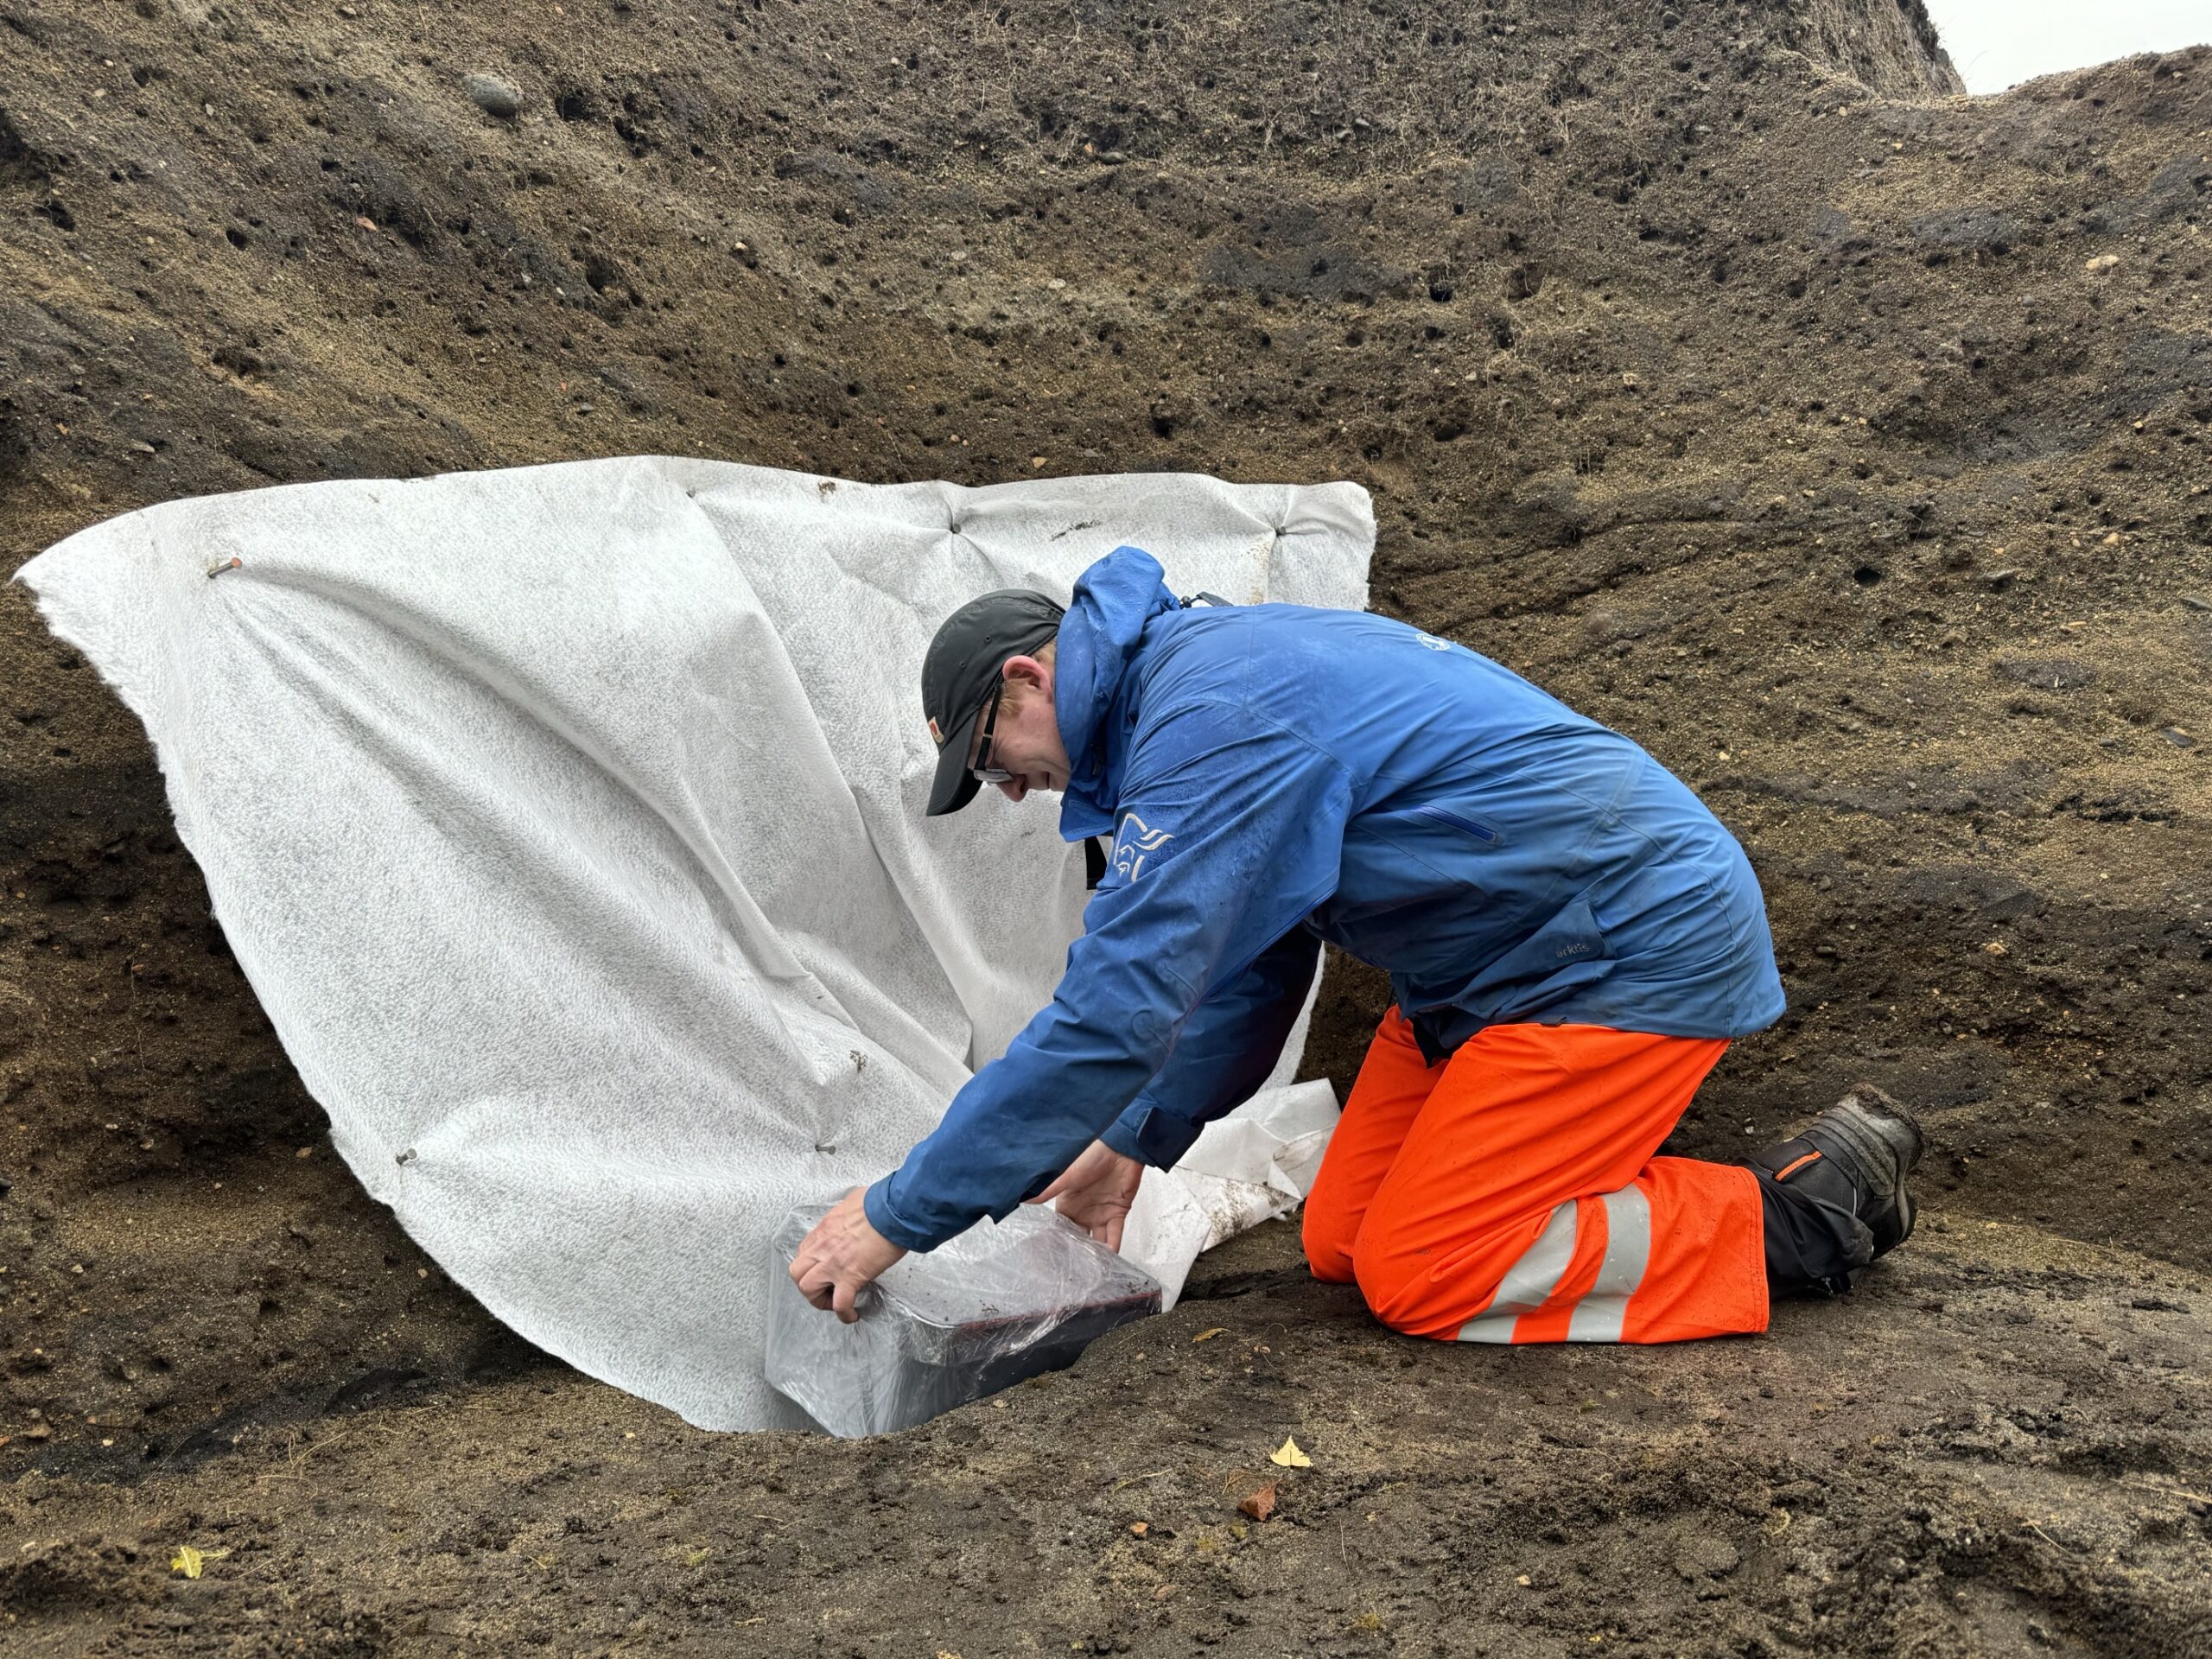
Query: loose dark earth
1841, 438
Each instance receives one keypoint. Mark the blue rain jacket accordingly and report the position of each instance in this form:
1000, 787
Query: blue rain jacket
1274, 776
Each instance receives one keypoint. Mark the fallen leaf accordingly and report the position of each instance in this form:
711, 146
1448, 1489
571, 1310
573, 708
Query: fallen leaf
1260, 1504
1289, 1456
1207, 1336
190, 1562
1139, 1528
698, 1557
365, 222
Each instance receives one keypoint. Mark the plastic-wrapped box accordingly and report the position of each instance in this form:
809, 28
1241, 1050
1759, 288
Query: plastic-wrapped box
996, 1305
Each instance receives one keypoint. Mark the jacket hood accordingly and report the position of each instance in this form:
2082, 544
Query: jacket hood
1114, 600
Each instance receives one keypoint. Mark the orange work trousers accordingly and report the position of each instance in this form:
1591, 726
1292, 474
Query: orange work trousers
1510, 1194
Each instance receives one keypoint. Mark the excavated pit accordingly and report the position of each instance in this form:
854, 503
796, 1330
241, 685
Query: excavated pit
1840, 438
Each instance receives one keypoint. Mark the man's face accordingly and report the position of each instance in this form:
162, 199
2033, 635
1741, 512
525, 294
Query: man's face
1025, 740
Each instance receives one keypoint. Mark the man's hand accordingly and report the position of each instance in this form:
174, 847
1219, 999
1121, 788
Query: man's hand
1096, 1192
843, 1254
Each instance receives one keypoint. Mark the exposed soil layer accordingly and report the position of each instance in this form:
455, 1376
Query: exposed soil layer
1989, 1450
1841, 439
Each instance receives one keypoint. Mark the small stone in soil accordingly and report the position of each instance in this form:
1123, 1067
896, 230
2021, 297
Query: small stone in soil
493, 95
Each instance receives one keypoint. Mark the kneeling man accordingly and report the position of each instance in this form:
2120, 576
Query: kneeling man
1572, 939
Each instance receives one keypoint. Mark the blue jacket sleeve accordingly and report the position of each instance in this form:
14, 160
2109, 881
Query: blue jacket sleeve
1230, 831
1227, 1047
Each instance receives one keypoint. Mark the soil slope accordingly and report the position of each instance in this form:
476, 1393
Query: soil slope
1720, 367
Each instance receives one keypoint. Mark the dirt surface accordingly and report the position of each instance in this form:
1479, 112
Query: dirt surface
1840, 438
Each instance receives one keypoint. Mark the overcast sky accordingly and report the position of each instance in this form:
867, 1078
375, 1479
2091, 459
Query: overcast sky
1997, 43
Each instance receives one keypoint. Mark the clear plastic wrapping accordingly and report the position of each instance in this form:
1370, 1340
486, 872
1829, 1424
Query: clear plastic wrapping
996, 1305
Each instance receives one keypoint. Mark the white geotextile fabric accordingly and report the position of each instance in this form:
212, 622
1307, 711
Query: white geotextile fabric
568, 821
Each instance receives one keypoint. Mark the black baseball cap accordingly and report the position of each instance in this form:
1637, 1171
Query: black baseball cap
963, 663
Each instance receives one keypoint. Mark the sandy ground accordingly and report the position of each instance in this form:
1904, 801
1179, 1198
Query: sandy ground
1840, 439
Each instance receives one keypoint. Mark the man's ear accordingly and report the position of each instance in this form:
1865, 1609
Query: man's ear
1028, 673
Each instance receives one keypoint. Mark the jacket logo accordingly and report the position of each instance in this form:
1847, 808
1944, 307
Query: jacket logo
1136, 841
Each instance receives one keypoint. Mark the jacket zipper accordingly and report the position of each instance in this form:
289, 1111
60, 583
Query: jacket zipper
1480, 832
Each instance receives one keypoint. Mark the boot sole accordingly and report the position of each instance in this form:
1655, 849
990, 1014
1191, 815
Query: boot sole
1884, 1142
1881, 1132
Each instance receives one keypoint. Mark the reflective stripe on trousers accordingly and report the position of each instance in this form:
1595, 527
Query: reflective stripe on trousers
1535, 1279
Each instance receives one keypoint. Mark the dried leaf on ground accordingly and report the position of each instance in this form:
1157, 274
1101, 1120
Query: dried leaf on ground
1260, 1504
1206, 1336
1289, 1456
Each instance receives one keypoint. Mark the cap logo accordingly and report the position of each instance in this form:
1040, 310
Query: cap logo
936, 736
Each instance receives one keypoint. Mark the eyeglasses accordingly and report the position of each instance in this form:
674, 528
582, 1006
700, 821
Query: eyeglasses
981, 768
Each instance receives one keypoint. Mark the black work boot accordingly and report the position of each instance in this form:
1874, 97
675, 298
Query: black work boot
1835, 1197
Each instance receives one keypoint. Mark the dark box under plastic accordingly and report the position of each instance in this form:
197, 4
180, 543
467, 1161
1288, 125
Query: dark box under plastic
997, 1305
